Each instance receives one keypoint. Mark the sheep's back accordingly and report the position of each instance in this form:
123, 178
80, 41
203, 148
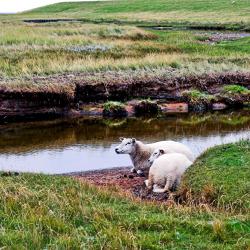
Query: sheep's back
172, 147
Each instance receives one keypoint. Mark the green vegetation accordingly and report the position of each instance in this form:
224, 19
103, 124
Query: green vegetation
31, 49
58, 212
221, 177
112, 108
109, 45
210, 13
111, 105
55, 212
44, 49
235, 89
195, 96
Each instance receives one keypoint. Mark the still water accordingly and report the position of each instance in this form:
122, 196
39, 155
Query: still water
73, 145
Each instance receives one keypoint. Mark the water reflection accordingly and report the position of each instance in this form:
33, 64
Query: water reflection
84, 144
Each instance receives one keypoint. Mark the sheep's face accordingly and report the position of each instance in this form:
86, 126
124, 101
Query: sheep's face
157, 153
127, 146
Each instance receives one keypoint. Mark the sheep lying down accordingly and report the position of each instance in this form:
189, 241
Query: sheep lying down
166, 170
140, 152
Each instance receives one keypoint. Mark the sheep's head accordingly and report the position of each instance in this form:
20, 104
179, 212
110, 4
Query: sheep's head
127, 146
157, 153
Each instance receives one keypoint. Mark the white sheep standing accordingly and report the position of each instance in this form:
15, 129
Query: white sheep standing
140, 152
166, 170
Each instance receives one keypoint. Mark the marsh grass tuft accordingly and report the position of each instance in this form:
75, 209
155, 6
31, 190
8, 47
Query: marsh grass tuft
114, 109
196, 96
235, 89
198, 101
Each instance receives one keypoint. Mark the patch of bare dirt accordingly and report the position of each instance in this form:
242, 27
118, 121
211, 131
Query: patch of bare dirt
123, 180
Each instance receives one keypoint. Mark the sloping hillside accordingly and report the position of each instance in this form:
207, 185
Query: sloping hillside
210, 12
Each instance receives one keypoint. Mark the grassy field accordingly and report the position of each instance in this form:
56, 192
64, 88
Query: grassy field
44, 49
29, 49
56, 212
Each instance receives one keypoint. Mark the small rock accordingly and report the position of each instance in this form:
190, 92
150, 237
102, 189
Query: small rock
219, 106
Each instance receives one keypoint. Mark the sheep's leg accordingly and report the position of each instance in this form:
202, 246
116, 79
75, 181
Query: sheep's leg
132, 170
156, 186
169, 184
149, 183
177, 182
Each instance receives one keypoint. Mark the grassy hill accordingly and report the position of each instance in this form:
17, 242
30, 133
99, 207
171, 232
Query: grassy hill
198, 11
147, 5
221, 185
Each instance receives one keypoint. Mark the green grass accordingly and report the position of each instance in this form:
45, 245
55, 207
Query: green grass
235, 89
146, 5
30, 50
221, 177
111, 105
44, 49
195, 96
202, 12
112, 108
56, 212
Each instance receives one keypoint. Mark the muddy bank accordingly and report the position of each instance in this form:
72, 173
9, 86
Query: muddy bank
123, 180
84, 94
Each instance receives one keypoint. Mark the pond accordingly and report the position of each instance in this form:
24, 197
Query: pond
72, 145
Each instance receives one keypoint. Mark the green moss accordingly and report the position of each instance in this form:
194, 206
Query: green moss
221, 176
111, 106
114, 109
235, 89
195, 96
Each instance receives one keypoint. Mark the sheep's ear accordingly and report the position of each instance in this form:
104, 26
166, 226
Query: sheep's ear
162, 151
133, 140
121, 138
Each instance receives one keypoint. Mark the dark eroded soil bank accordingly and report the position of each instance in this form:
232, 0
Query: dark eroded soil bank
68, 94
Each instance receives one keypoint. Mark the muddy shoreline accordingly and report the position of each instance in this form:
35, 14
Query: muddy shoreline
84, 94
121, 179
